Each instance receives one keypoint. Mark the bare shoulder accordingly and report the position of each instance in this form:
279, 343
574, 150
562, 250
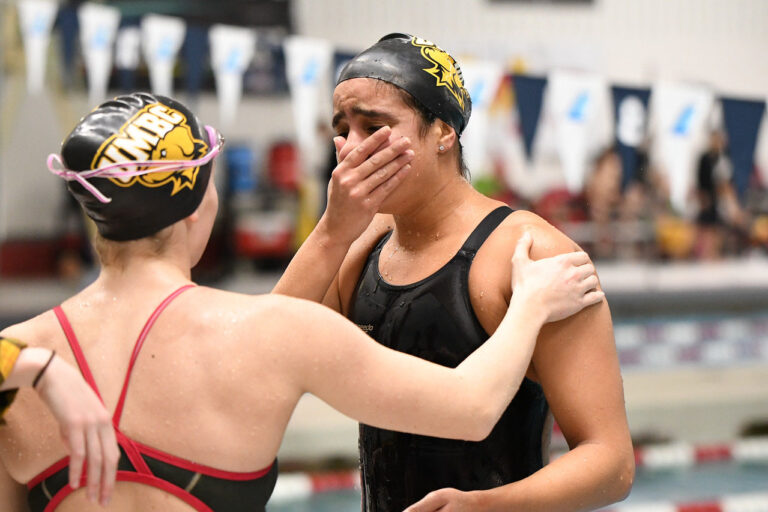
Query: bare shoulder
38, 331
252, 316
547, 239
491, 271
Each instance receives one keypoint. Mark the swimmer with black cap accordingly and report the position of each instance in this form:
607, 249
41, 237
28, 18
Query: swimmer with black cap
415, 256
202, 382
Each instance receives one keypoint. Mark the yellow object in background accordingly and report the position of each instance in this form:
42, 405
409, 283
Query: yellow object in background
308, 211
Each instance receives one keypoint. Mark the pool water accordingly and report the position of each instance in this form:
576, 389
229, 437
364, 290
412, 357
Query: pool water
703, 482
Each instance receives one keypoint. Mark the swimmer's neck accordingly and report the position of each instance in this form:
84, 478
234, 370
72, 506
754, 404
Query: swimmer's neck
144, 272
436, 214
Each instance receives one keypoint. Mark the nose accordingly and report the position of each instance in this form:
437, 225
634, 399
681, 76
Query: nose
353, 139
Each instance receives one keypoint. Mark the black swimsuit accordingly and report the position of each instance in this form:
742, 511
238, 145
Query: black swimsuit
433, 319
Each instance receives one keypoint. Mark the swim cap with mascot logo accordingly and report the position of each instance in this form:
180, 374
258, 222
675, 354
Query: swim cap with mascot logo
422, 69
135, 128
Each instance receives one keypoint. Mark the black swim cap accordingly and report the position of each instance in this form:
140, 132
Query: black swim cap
138, 127
422, 69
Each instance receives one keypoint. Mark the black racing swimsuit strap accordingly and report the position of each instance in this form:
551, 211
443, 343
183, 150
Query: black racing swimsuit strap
485, 228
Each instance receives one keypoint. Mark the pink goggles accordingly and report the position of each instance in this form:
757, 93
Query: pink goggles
113, 170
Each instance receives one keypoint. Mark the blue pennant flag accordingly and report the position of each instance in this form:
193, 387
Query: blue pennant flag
630, 109
195, 55
742, 122
529, 94
67, 22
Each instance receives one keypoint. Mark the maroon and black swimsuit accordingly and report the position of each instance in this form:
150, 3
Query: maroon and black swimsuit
204, 488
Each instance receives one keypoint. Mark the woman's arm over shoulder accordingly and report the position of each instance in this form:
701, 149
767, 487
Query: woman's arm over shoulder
322, 353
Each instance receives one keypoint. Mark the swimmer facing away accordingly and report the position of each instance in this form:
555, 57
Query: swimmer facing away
202, 382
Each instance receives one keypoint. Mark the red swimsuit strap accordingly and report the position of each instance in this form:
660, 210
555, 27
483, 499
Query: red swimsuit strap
143, 474
137, 348
76, 350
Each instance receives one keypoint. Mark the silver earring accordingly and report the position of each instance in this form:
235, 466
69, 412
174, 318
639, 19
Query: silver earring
441, 148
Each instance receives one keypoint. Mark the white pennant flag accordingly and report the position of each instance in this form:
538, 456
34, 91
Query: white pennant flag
232, 49
761, 151
481, 79
162, 37
36, 18
127, 48
308, 65
581, 117
98, 28
679, 115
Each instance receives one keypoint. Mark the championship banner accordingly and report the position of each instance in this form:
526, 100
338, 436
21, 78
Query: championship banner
529, 95
36, 18
679, 114
578, 103
232, 49
630, 108
742, 119
127, 55
98, 28
482, 80
162, 37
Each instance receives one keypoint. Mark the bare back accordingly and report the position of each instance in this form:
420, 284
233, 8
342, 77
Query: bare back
202, 388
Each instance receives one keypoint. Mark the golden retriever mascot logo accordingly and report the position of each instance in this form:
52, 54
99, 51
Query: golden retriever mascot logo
443, 68
156, 132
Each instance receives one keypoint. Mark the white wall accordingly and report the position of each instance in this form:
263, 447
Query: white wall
722, 43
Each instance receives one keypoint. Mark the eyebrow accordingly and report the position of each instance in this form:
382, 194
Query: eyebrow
359, 111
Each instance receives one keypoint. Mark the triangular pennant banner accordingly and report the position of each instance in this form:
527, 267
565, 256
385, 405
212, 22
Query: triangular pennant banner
232, 50
679, 113
482, 79
742, 120
36, 18
98, 29
194, 52
529, 94
162, 37
630, 109
578, 105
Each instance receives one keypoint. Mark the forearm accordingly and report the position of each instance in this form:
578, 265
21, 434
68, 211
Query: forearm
29, 363
499, 366
312, 269
19, 367
591, 476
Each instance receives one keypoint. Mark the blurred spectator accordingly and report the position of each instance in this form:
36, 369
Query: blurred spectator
603, 198
720, 216
640, 204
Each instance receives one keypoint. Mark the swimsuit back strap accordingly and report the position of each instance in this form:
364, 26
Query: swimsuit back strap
137, 348
69, 333
485, 228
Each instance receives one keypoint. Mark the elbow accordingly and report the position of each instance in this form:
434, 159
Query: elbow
624, 476
484, 419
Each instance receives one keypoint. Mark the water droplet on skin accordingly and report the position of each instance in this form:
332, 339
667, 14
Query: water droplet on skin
482, 294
